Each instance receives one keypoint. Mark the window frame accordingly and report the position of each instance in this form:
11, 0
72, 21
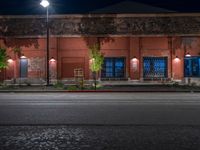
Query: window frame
113, 59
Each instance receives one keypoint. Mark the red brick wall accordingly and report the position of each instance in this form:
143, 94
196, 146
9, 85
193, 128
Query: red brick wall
155, 47
74, 51
118, 47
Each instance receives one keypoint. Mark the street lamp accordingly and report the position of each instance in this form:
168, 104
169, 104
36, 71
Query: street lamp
45, 4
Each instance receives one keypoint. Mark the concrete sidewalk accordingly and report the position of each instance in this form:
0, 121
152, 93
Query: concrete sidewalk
107, 88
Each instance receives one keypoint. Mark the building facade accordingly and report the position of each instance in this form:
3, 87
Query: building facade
136, 47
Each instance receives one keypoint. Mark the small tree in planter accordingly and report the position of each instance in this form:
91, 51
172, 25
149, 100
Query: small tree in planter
3, 58
97, 59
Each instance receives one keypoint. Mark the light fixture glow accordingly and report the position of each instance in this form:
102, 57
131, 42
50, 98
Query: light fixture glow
177, 59
10, 60
134, 58
23, 57
188, 55
92, 60
52, 60
44, 3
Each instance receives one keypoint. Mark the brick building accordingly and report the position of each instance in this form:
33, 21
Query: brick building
136, 47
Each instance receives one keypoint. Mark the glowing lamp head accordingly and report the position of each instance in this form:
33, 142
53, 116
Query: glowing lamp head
23, 57
44, 3
10, 60
52, 60
188, 55
177, 59
134, 59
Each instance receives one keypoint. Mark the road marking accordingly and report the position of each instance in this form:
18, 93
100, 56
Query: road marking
102, 102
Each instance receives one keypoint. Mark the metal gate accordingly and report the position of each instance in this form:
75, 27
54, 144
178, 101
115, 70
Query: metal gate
154, 67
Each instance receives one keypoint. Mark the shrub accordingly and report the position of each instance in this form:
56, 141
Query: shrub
3, 58
193, 84
176, 84
72, 88
59, 85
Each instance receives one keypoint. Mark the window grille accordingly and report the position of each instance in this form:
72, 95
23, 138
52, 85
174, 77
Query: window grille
154, 67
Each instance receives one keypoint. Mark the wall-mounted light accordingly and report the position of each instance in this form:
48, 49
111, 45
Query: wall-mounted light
188, 55
52, 59
134, 63
177, 59
10, 60
134, 58
23, 57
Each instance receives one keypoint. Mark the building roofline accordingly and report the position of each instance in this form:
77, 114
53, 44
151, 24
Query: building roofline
104, 15
123, 35
103, 24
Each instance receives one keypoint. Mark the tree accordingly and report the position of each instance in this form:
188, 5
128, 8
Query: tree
97, 59
16, 44
97, 29
3, 58
183, 42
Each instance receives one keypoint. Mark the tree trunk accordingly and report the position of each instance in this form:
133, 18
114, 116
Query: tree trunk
99, 42
95, 80
14, 67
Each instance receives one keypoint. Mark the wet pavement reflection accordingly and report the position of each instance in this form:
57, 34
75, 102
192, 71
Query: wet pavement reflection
79, 137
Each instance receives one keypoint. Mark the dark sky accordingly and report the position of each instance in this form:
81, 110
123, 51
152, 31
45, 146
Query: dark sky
17, 7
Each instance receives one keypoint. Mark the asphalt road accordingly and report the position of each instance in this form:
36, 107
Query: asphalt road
99, 138
99, 108
100, 121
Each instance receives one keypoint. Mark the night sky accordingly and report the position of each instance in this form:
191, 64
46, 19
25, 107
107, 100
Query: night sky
23, 7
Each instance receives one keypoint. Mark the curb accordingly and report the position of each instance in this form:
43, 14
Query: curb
99, 91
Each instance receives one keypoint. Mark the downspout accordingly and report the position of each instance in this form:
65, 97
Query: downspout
58, 42
171, 50
140, 60
129, 60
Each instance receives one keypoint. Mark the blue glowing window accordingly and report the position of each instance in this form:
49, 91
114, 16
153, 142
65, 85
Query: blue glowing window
154, 67
23, 68
192, 66
113, 67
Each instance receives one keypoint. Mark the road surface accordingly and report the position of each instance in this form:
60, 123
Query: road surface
99, 121
100, 108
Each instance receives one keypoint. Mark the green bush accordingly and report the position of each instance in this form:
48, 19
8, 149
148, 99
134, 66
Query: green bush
193, 84
59, 85
72, 88
3, 58
175, 84
98, 86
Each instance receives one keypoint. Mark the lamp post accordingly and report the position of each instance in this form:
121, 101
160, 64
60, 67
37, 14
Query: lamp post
45, 4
